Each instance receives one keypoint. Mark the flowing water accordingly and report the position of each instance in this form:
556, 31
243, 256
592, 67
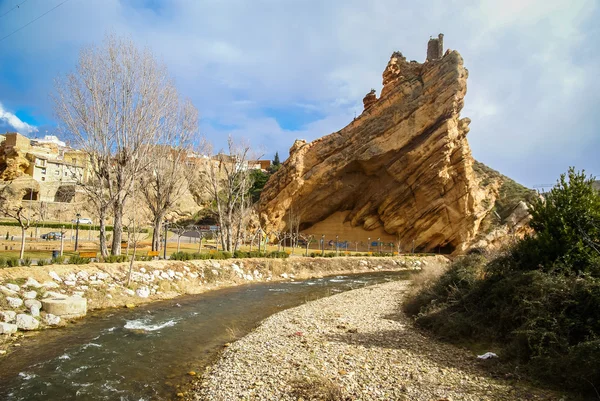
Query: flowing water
147, 352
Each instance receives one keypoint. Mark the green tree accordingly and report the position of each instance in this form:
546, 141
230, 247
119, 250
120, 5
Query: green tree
259, 179
276, 161
567, 228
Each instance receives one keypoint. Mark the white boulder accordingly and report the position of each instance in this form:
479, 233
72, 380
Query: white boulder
6, 291
30, 295
35, 311
31, 282
7, 328
52, 294
69, 307
26, 322
82, 275
14, 302
51, 320
129, 292
29, 303
55, 276
50, 284
12, 287
8, 316
143, 292
70, 283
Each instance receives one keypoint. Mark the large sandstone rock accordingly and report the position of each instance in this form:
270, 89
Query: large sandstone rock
70, 307
403, 167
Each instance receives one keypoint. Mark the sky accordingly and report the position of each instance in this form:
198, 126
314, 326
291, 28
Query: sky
272, 71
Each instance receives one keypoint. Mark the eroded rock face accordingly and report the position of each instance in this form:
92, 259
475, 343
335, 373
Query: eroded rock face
403, 165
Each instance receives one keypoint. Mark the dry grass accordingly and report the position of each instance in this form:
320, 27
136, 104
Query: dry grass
317, 388
233, 332
428, 275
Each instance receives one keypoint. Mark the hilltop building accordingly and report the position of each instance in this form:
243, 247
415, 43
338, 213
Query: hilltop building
56, 167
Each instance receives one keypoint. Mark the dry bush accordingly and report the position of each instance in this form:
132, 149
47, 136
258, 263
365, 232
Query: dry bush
317, 388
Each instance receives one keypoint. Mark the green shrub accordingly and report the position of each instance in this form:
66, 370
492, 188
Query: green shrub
78, 260
26, 261
13, 262
3, 262
116, 259
221, 255
277, 255
181, 256
59, 260
43, 262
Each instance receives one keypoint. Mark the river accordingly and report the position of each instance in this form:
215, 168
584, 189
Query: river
147, 353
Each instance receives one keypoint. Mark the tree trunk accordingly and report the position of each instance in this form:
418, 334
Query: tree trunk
117, 228
178, 242
102, 228
21, 255
157, 223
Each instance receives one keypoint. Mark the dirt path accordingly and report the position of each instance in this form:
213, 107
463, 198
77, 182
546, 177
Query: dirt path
352, 346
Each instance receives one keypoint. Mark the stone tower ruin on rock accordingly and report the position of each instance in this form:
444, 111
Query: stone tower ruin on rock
435, 48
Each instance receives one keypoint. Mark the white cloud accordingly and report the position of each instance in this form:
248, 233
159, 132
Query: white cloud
15, 122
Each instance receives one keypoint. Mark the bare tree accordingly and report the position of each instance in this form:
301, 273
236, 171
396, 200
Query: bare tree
115, 106
226, 180
169, 170
180, 231
307, 239
293, 225
11, 206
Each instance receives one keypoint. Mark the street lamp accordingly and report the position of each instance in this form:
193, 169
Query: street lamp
369, 244
323, 245
165, 247
379, 244
337, 245
77, 231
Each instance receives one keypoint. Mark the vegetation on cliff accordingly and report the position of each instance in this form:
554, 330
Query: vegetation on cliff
540, 298
510, 192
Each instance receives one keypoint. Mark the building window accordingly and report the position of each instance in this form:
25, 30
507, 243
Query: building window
66, 173
56, 172
43, 178
43, 171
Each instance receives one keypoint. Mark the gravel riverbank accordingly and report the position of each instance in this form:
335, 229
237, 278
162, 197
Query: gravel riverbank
352, 346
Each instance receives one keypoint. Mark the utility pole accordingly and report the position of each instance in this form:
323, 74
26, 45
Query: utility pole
165, 247
77, 231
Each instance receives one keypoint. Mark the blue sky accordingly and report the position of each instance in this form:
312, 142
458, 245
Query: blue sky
272, 71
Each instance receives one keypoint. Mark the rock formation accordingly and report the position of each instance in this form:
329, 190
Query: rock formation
402, 168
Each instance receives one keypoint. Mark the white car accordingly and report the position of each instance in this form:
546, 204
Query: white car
84, 220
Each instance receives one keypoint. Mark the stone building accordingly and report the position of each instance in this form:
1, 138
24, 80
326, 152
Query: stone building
56, 168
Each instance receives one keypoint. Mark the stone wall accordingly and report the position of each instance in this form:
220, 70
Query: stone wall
103, 285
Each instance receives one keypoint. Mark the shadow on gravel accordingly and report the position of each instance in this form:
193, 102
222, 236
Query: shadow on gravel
412, 342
